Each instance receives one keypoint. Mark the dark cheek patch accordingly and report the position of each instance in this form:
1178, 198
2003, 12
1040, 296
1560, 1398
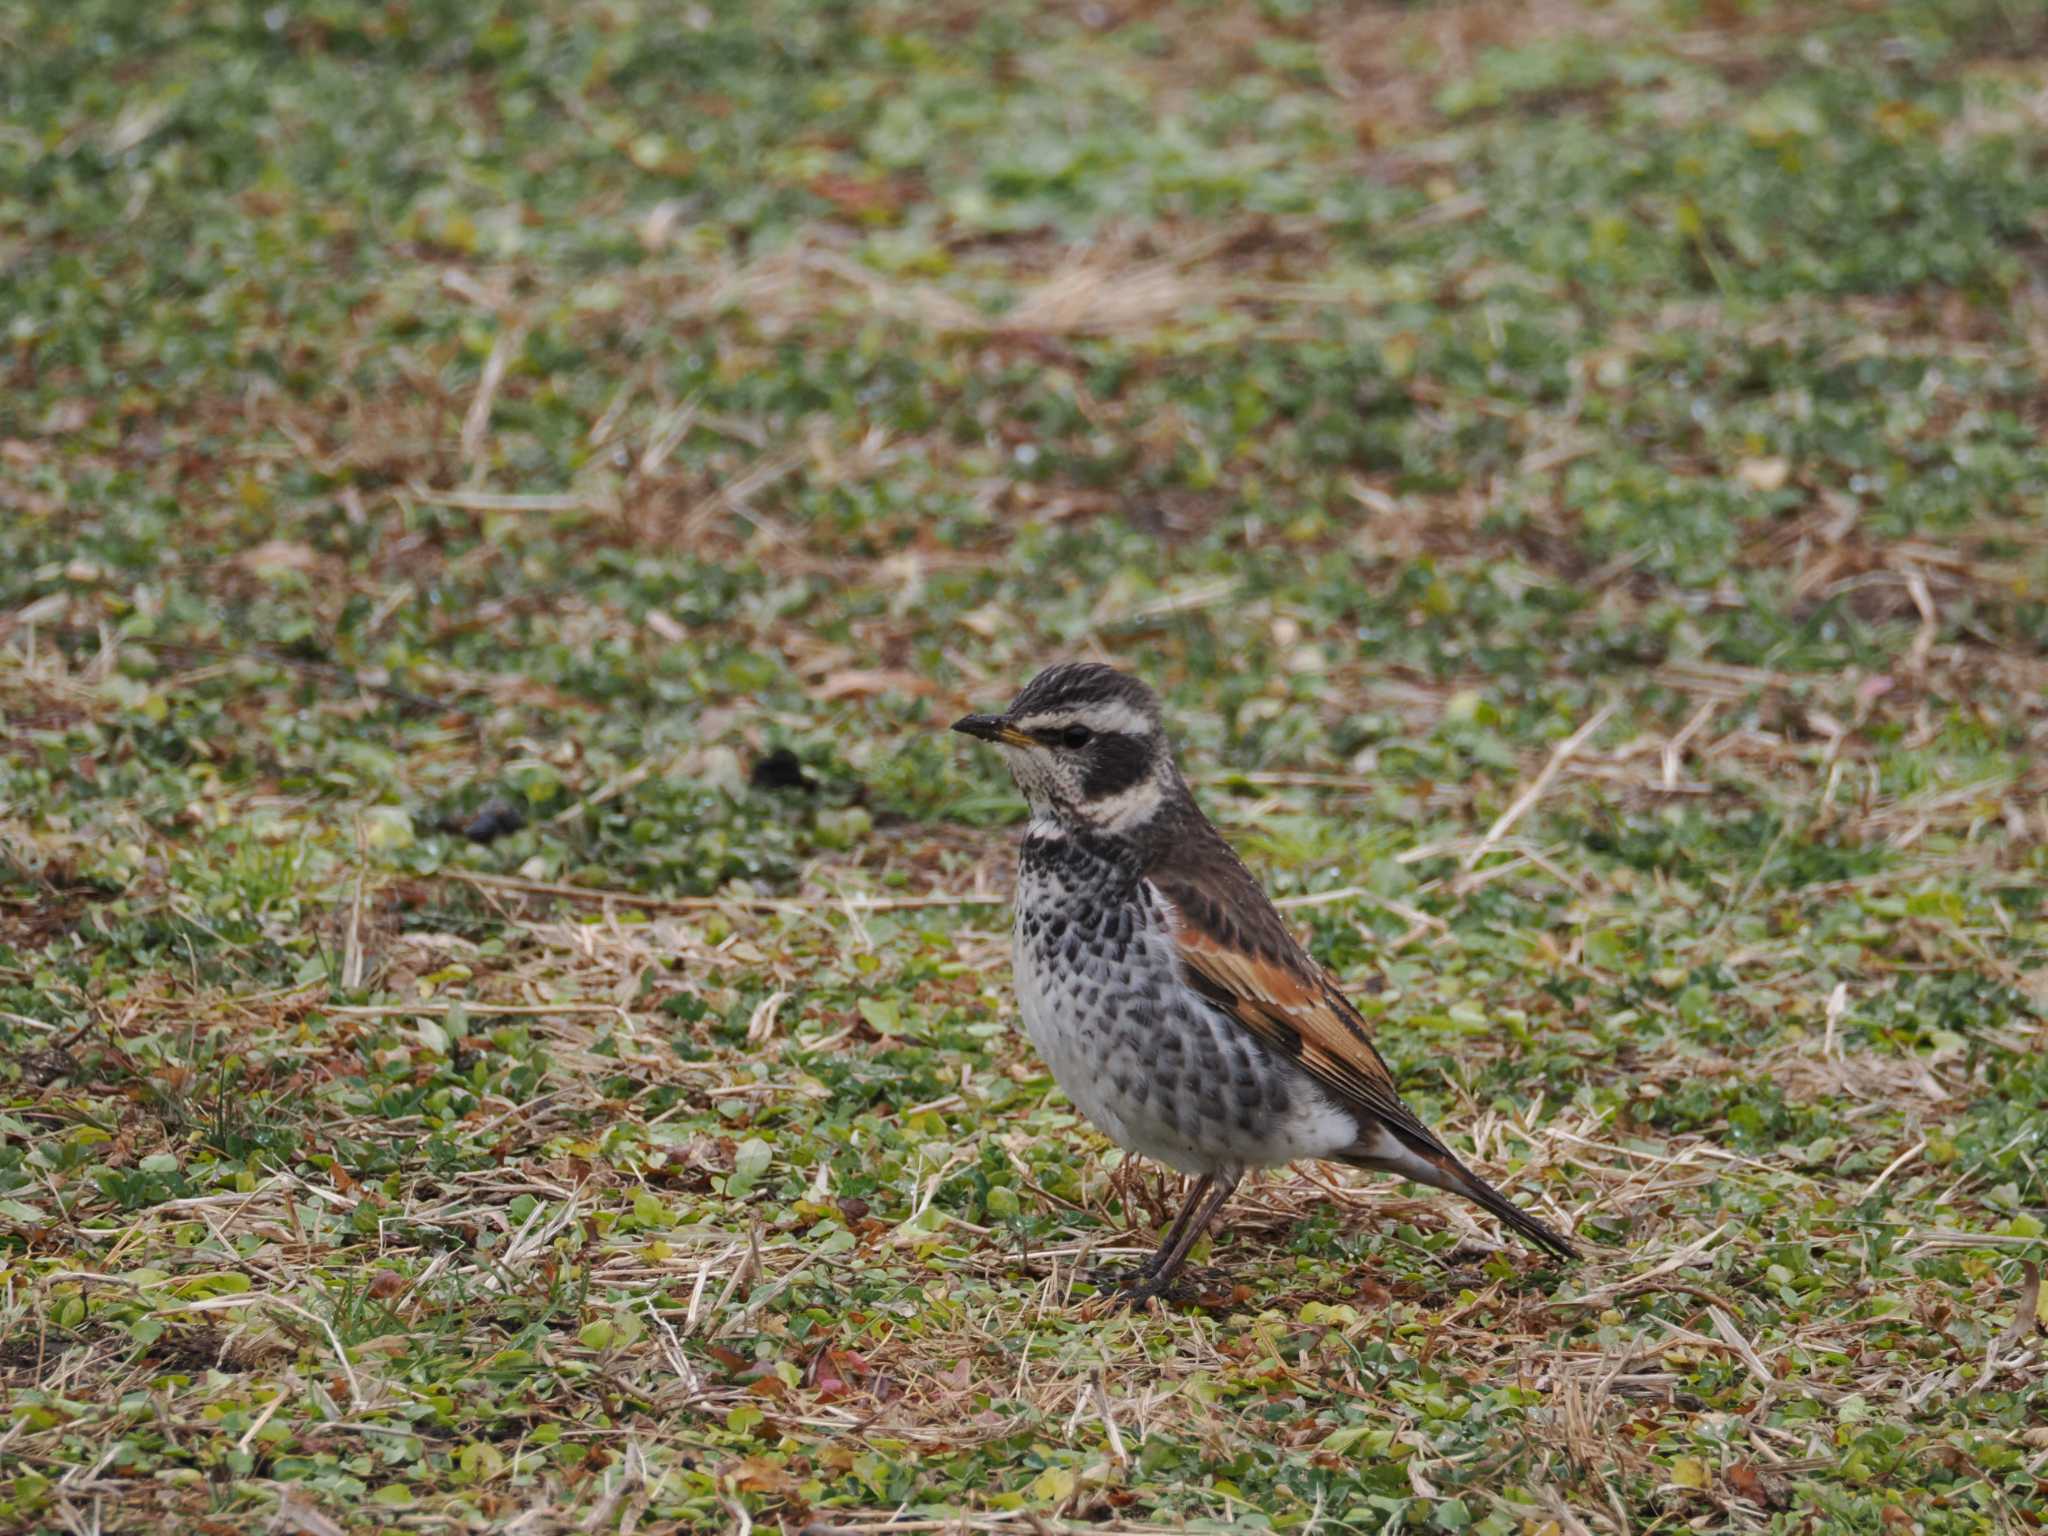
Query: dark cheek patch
1115, 763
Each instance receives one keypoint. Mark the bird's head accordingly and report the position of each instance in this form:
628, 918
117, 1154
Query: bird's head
1086, 747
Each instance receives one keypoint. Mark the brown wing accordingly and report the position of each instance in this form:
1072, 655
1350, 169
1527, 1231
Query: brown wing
1240, 955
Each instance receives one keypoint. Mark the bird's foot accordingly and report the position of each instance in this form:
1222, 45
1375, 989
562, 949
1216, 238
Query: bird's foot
1118, 1277
1195, 1287
1142, 1288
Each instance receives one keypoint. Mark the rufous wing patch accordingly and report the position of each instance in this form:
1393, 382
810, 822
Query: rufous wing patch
1238, 954
1294, 1006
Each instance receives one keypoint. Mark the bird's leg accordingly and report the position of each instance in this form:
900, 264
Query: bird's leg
1167, 1263
1187, 1210
1104, 1275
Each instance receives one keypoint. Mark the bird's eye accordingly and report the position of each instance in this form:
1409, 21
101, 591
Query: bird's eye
1075, 736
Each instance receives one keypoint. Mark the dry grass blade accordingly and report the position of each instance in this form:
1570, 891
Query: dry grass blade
1521, 805
851, 902
303, 1519
476, 424
230, 1303
2027, 1319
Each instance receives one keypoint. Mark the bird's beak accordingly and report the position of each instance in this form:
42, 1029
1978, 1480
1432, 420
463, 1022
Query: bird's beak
992, 728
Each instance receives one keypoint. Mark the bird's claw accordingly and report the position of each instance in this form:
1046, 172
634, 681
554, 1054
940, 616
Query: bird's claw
1142, 1289
1118, 1277
1133, 1288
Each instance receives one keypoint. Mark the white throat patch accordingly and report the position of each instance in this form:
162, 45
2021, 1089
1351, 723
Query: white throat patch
1045, 828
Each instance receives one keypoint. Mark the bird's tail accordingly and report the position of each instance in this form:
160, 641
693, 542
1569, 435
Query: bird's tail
1437, 1168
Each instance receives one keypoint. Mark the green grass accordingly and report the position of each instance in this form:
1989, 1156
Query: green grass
409, 406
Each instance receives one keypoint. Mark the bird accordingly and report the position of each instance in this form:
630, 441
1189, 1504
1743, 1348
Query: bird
1164, 990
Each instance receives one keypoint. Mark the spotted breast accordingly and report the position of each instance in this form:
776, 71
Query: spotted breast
1104, 997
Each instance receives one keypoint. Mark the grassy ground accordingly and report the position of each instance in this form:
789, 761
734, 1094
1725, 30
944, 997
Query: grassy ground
417, 404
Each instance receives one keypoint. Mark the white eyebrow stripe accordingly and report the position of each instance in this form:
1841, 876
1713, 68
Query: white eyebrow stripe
1108, 715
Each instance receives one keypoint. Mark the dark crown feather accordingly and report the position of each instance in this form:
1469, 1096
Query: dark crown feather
1076, 684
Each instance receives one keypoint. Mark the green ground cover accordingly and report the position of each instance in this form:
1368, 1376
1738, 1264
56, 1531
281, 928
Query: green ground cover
411, 405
